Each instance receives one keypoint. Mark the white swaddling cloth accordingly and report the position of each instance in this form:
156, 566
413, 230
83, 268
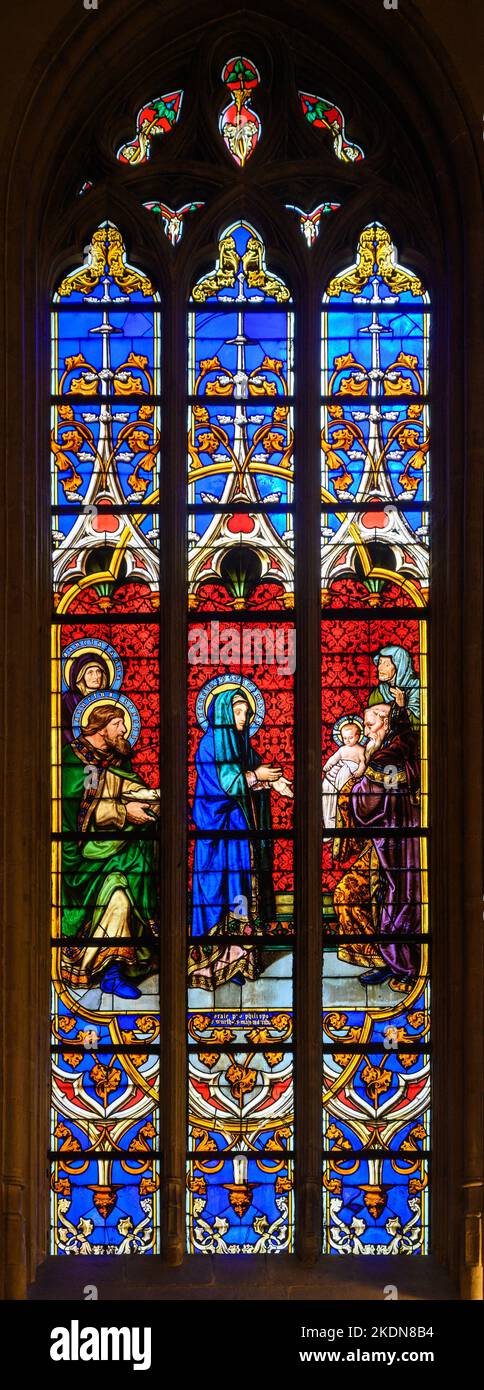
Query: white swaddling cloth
333, 781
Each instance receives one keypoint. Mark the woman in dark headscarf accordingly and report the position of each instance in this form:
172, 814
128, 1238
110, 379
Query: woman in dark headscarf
89, 672
232, 879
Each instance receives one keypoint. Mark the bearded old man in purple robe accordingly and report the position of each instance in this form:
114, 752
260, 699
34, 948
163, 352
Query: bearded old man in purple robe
381, 894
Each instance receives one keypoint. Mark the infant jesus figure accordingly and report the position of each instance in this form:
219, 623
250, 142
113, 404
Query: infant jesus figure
348, 762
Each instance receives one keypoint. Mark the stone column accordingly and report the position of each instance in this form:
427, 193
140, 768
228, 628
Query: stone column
173, 779
308, 953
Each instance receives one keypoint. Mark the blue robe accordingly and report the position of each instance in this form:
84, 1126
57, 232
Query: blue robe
233, 852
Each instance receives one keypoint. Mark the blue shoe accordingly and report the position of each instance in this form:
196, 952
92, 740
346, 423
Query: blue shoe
375, 977
111, 982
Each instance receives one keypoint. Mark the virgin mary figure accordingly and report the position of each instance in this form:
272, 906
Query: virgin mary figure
233, 890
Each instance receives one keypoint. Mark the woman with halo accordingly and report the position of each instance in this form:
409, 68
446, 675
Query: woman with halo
88, 668
233, 890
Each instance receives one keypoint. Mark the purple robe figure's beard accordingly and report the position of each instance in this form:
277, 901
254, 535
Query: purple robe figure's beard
375, 743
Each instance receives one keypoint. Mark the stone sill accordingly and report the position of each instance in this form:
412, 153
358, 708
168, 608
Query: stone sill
202, 1277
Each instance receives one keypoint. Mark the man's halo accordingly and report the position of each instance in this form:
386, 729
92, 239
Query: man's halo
106, 697
96, 648
216, 685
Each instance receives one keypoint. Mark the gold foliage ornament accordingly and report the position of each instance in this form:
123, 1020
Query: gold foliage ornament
376, 255
106, 256
230, 265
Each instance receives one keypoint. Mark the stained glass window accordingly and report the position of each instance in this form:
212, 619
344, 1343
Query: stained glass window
239, 124
247, 937
105, 756
375, 577
324, 115
241, 658
309, 222
157, 117
172, 219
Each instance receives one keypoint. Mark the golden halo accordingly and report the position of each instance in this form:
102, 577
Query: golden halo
230, 685
95, 652
232, 681
109, 704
